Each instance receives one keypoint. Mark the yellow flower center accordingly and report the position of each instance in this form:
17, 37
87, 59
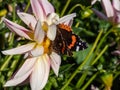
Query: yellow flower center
45, 26
46, 45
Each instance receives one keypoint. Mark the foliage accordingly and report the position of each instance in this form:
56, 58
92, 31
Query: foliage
94, 66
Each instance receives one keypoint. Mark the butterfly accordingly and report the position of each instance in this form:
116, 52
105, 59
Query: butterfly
66, 41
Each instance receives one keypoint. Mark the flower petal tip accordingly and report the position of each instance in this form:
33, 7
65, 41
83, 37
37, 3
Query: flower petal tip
8, 84
2, 19
5, 52
28, 19
74, 14
55, 62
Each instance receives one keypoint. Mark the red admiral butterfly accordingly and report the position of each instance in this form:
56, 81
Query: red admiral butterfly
66, 41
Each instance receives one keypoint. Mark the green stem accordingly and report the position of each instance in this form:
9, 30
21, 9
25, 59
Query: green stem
77, 24
27, 7
65, 7
14, 13
13, 66
100, 54
77, 5
6, 63
11, 40
80, 81
84, 62
82, 78
70, 11
93, 48
90, 80
100, 43
116, 75
97, 58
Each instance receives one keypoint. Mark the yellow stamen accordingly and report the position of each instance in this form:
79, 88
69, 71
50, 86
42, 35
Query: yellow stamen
30, 34
45, 26
46, 45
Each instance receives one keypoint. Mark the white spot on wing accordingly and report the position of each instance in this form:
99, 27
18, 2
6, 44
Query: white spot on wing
77, 48
79, 43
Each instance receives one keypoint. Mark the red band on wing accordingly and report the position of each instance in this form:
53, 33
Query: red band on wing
65, 27
73, 42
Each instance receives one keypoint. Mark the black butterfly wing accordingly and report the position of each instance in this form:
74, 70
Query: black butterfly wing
66, 42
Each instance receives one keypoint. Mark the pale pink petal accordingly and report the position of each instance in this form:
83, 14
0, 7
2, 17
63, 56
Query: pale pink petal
46, 6
28, 19
116, 4
38, 10
18, 29
67, 18
99, 14
108, 8
93, 2
40, 73
52, 18
51, 34
94, 88
117, 17
55, 62
26, 55
116, 52
69, 23
26, 67
39, 33
19, 50
37, 51
17, 80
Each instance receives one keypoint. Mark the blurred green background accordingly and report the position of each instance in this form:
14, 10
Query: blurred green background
94, 67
